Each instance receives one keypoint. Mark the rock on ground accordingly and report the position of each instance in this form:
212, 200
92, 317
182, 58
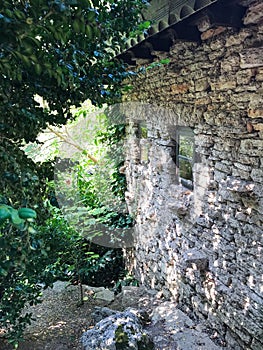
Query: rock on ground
121, 330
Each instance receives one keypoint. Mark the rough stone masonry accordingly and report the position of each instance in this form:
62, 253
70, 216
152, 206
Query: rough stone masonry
203, 245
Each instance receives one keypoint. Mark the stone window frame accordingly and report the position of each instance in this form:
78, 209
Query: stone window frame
183, 131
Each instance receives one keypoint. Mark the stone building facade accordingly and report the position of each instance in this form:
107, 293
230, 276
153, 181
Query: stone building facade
195, 173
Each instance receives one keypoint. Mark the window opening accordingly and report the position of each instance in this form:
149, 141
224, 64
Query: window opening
185, 152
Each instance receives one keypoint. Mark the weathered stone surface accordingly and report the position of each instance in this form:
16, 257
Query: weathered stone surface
216, 89
121, 330
251, 147
255, 113
179, 89
258, 126
235, 185
223, 85
201, 85
106, 295
167, 326
196, 259
101, 293
259, 75
210, 33
181, 330
251, 58
102, 312
254, 14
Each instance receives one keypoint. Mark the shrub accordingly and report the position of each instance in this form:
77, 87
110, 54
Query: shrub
20, 254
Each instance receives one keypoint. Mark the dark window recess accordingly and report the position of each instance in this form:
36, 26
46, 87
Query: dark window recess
185, 154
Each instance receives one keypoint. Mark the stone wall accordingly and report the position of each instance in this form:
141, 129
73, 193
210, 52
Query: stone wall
203, 246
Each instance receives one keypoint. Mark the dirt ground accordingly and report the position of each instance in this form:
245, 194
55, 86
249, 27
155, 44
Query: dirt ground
59, 321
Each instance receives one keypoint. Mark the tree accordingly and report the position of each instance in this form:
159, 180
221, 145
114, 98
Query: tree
62, 50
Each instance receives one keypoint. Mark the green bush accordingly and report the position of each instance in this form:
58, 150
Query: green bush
20, 255
71, 257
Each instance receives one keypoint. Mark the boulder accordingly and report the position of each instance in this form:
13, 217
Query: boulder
119, 331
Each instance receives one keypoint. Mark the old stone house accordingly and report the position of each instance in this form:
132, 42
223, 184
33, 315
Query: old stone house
194, 162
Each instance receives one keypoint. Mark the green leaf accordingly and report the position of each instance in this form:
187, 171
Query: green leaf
91, 16
14, 216
27, 213
165, 61
89, 32
4, 212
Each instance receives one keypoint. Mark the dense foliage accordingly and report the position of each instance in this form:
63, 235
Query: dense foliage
62, 51
102, 189
71, 257
18, 268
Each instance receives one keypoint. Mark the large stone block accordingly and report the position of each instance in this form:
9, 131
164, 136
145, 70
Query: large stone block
121, 330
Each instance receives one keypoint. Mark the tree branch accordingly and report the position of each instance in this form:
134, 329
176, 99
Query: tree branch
62, 137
